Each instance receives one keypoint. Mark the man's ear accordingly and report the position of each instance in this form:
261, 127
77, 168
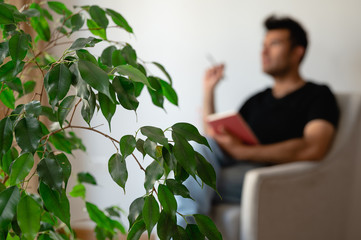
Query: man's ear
299, 52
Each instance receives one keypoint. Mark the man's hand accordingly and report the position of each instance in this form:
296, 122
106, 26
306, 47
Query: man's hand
212, 76
232, 145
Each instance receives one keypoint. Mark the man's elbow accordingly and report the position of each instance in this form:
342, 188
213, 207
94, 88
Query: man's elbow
313, 154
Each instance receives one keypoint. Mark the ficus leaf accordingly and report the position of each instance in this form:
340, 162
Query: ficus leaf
125, 93
130, 55
81, 43
184, 153
29, 86
150, 213
7, 98
40, 24
98, 15
178, 188
166, 226
86, 55
117, 58
56, 202
133, 74
94, 76
9, 199
127, 145
152, 173
119, 20
33, 109
88, 108
207, 227
206, 171
64, 108
6, 135
59, 8
181, 234
180, 174
6, 15
95, 29
160, 66
150, 148
28, 134
77, 22
65, 165
167, 200
136, 230
31, 13
189, 132
28, 217
57, 83
99, 217
18, 46
78, 191
106, 57
194, 233
169, 92
9, 70
16, 85
17, 16
107, 107
156, 94
118, 169
21, 168
8, 159
140, 147
60, 142
135, 210
85, 177
4, 51
154, 134
82, 88
51, 173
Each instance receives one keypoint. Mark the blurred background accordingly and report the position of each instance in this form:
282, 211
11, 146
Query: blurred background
183, 35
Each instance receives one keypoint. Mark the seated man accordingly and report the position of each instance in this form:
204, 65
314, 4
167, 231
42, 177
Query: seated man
295, 120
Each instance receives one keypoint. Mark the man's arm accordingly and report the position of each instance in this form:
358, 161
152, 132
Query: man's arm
313, 146
211, 79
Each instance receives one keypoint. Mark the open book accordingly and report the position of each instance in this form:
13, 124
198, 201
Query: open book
235, 124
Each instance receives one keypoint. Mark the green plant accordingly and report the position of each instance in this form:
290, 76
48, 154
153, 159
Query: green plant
114, 79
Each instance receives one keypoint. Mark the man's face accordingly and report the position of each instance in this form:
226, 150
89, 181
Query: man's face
277, 57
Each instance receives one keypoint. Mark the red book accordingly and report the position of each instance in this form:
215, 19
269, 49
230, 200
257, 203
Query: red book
235, 124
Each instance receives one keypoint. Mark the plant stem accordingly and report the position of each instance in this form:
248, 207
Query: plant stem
72, 115
5, 178
138, 162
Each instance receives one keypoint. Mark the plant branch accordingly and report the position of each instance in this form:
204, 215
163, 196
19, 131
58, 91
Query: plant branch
141, 167
72, 115
5, 178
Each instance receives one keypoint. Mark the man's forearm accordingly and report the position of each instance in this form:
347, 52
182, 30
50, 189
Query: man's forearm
288, 151
208, 107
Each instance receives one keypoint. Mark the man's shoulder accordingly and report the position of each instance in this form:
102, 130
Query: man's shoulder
318, 88
261, 94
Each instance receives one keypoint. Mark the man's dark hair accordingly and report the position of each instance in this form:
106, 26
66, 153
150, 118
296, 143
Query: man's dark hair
298, 35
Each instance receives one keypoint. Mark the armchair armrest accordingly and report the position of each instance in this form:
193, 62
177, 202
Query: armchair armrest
254, 188
301, 197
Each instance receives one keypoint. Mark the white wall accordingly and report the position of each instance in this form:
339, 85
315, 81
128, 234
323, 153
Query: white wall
180, 34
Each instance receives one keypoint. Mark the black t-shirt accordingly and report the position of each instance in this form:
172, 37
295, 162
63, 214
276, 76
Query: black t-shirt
274, 120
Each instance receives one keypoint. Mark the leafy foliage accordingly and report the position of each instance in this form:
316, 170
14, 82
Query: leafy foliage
113, 80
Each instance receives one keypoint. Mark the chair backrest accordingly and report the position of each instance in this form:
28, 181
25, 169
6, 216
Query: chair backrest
347, 148
349, 125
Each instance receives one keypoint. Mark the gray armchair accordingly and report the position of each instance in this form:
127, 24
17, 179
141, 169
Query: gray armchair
304, 200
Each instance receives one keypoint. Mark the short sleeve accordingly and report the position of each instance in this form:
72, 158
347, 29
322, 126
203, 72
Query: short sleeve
324, 107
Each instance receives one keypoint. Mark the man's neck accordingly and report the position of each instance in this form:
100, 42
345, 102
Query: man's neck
284, 85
